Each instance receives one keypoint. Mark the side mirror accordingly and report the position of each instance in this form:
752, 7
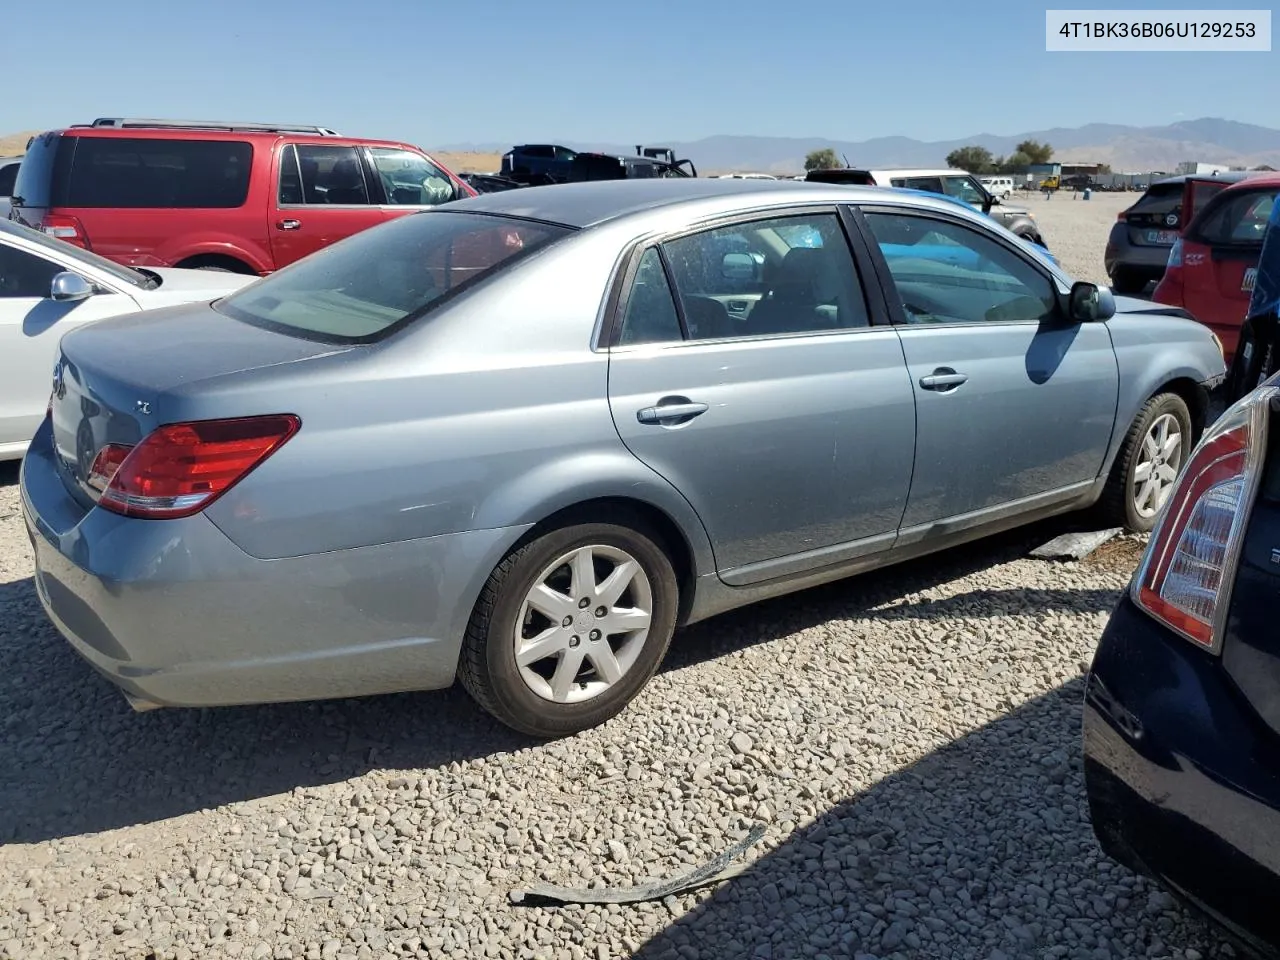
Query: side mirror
1089, 303
67, 287
738, 266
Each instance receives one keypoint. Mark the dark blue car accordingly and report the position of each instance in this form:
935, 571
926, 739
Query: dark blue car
1182, 704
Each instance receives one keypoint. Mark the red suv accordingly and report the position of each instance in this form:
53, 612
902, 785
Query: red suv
1213, 265
243, 197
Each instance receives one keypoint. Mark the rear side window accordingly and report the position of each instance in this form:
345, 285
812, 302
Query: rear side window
1237, 218
147, 173
361, 288
322, 174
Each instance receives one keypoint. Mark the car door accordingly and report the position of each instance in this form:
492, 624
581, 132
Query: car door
1015, 404
323, 195
31, 324
782, 413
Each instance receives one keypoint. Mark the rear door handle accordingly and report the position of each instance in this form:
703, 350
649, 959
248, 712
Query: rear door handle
670, 411
943, 379
289, 224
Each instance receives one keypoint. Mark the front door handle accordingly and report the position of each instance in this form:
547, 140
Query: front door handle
943, 379
671, 411
289, 224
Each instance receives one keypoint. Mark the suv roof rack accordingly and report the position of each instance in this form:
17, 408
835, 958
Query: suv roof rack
231, 127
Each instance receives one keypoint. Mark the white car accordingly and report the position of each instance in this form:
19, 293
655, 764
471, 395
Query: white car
1001, 187
48, 287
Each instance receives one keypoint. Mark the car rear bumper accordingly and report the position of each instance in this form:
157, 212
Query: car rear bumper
1128, 256
1181, 778
176, 614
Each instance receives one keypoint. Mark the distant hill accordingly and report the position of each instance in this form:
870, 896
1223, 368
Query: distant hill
1137, 149
14, 144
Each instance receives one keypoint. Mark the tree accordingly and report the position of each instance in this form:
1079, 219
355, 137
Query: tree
974, 159
1036, 151
1014, 163
1264, 167
824, 159
1104, 169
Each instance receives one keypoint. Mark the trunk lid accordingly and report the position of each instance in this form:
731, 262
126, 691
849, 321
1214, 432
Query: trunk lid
117, 380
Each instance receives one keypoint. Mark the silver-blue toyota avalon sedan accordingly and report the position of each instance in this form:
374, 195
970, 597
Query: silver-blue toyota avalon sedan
518, 439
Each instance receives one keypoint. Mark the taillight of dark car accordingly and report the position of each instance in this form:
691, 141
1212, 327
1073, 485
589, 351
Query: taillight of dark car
181, 468
1186, 574
65, 228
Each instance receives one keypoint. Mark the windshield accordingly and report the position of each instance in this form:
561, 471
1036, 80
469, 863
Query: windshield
358, 290
67, 252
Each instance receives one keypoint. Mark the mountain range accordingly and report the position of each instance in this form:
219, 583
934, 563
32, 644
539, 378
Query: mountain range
1126, 148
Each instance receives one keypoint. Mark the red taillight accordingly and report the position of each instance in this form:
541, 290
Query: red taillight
65, 228
1186, 573
181, 468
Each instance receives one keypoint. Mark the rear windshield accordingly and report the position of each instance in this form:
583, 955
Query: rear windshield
43, 164
362, 288
1236, 219
1160, 198
124, 172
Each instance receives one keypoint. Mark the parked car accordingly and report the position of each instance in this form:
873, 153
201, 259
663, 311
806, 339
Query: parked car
1138, 246
47, 288
538, 429
243, 197
1182, 704
8, 173
999, 187
488, 182
541, 164
952, 183
1213, 265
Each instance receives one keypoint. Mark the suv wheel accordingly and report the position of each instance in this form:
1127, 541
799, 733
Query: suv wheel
569, 628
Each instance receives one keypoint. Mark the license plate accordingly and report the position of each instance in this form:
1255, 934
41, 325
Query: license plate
1161, 236
1250, 278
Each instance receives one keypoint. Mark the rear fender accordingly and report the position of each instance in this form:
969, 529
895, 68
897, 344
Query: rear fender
594, 475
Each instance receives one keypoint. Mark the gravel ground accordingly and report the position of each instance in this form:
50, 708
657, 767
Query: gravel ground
910, 738
1076, 230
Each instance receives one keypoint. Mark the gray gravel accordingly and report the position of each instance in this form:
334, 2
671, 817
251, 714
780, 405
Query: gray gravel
911, 738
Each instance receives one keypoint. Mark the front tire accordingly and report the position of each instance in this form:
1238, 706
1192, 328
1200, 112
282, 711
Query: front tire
1150, 460
569, 628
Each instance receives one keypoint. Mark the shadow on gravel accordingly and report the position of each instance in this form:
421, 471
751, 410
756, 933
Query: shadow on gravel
982, 848
75, 759
9, 473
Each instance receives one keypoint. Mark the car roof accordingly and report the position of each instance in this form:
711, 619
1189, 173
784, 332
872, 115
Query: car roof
595, 202
1227, 176
212, 133
1264, 179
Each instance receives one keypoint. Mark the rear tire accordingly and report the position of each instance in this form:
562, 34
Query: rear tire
1128, 282
1149, 462
539, 654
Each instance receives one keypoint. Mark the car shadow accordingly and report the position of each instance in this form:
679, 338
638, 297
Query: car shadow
9, 473
67, 733
902, 870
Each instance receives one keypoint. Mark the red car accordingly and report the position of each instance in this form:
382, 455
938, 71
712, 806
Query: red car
241, 197
1212, 266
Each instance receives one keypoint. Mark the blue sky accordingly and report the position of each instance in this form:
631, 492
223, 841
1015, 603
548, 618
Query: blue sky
575, 70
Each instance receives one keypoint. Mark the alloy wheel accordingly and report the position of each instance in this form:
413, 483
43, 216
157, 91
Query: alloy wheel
583, 623
1158, 465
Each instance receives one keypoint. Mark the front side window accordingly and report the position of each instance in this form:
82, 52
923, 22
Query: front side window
314, 174
962, 188
360, 288
784, 275
24, 275
139, 173
948, 273
410, 178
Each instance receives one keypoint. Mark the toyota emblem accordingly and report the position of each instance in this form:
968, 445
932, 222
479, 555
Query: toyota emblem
1171, 220
59, 387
